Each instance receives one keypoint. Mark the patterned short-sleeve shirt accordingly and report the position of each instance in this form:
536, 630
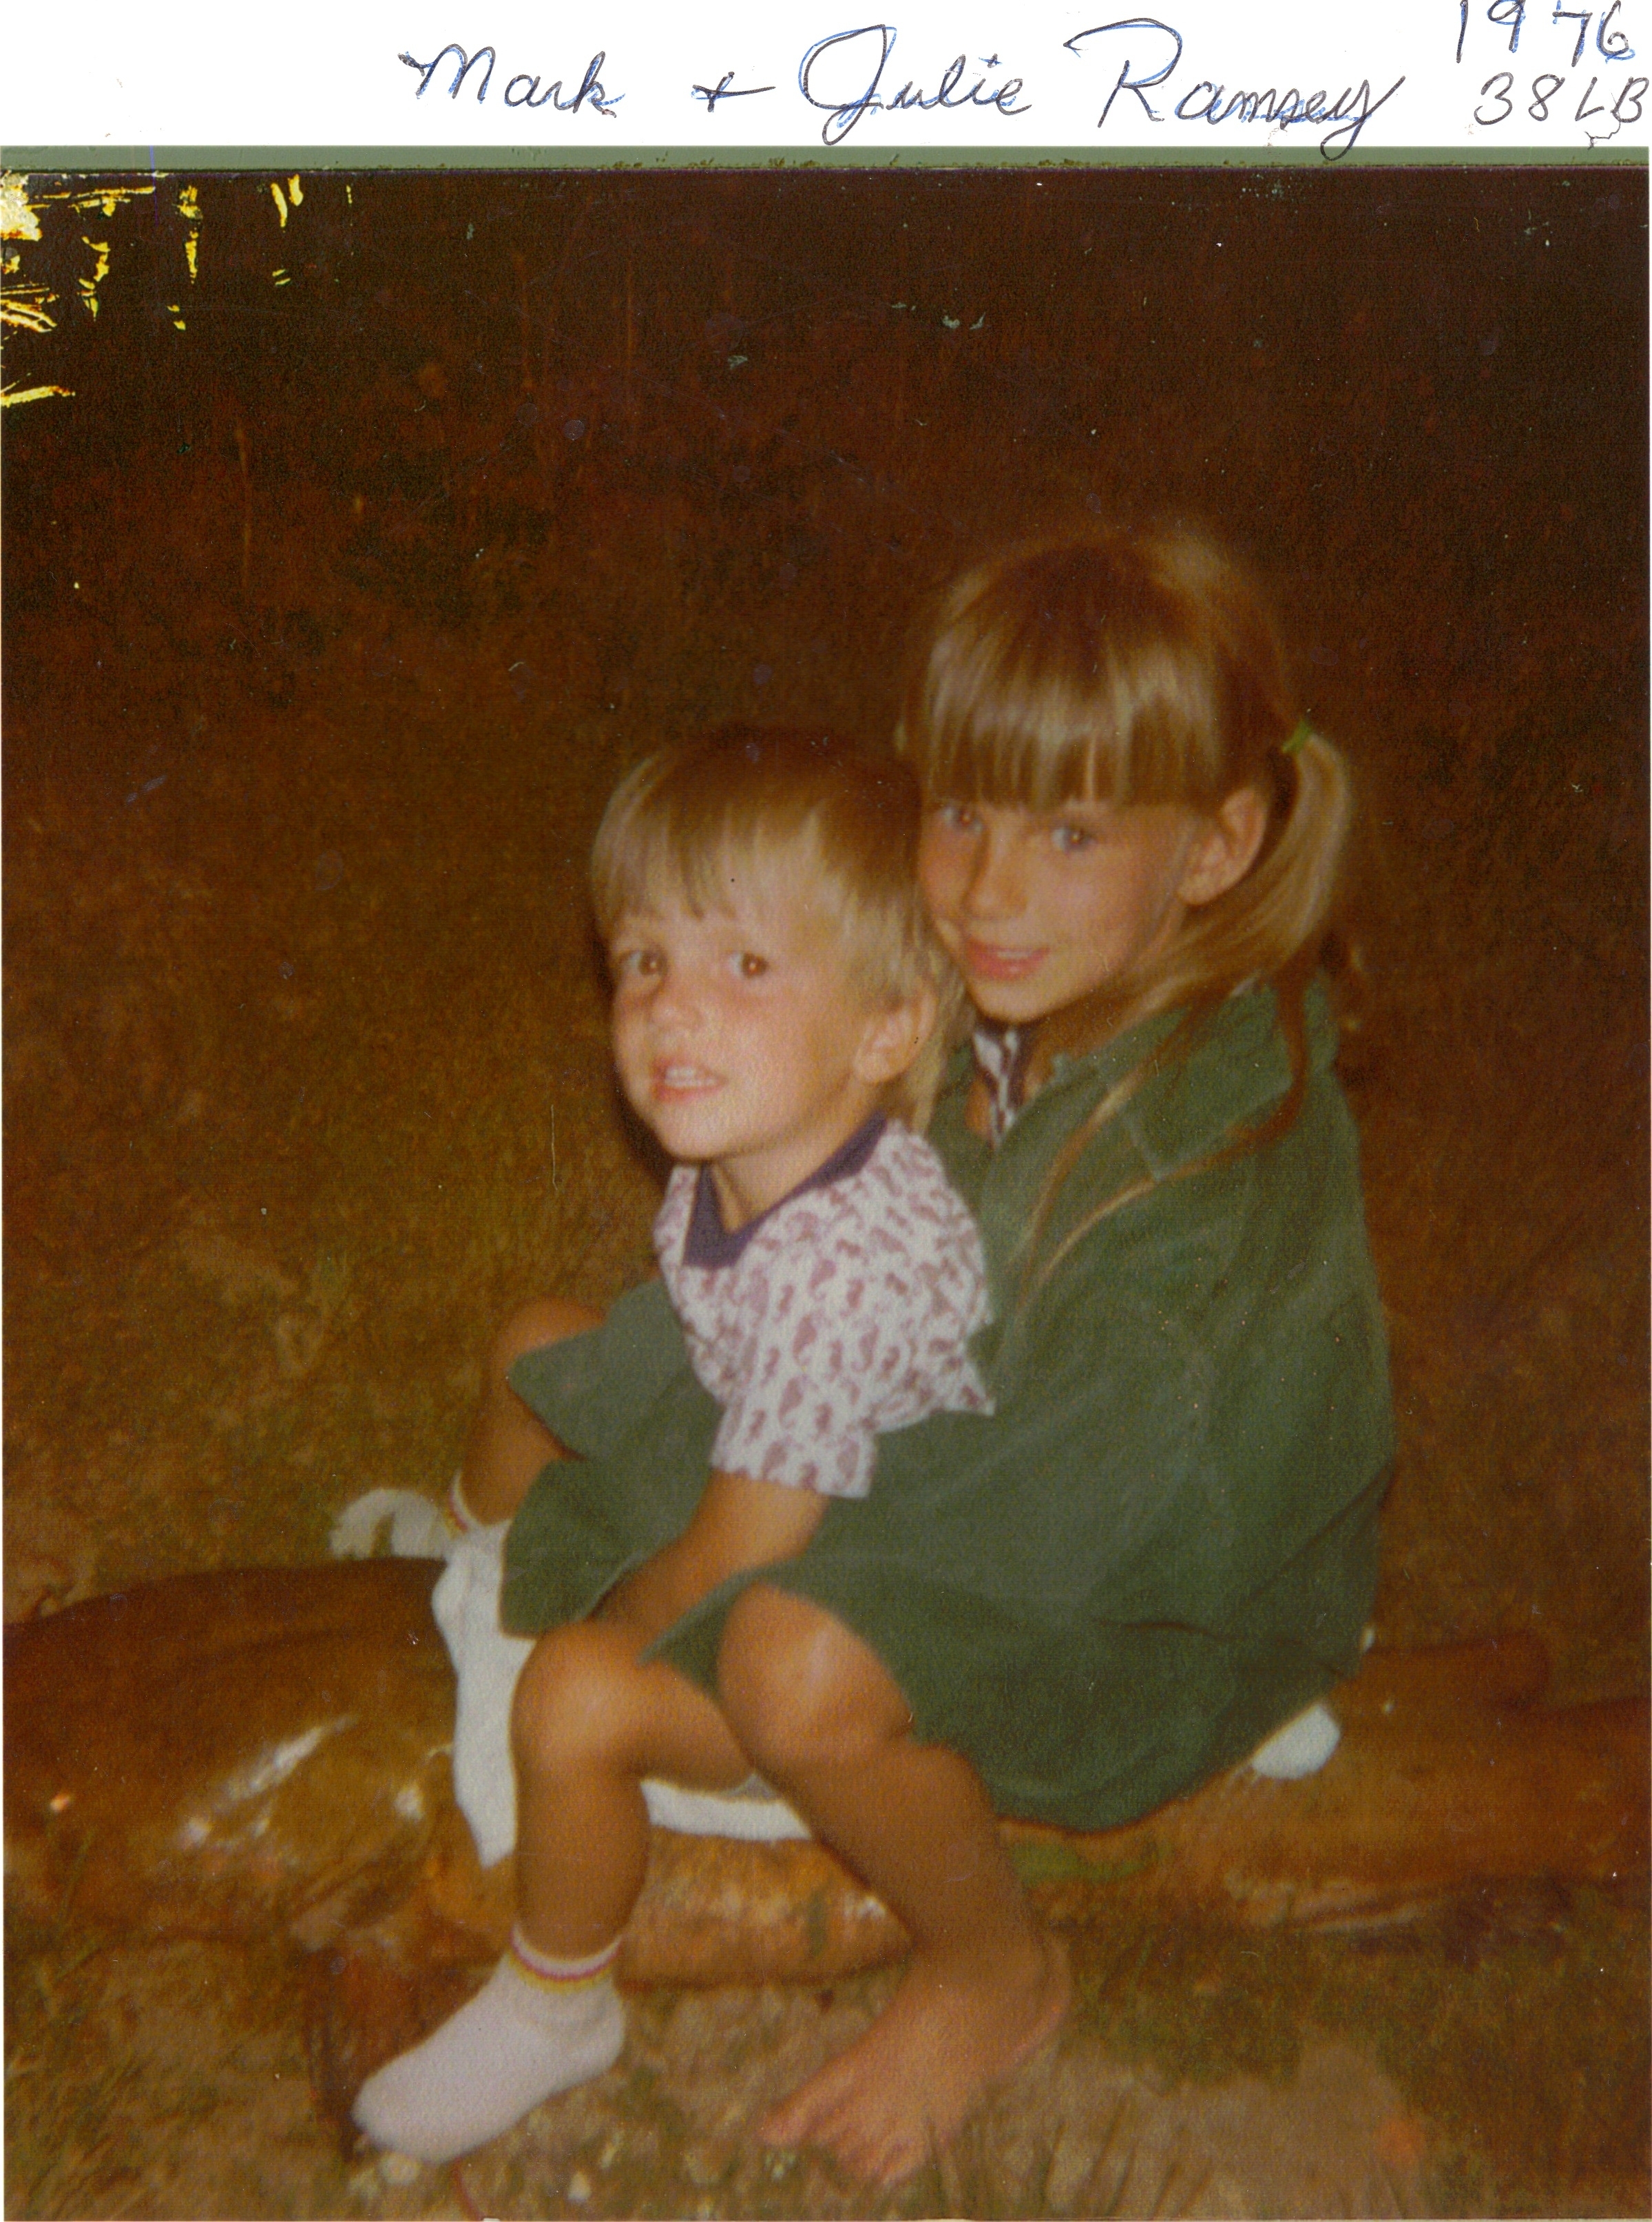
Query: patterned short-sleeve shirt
841, 1312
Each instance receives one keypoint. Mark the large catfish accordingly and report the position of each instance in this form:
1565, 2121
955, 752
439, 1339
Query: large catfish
267, 1752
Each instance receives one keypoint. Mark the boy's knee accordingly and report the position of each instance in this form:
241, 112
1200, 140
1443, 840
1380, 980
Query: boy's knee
799, 1688
545, 1320
573, 1698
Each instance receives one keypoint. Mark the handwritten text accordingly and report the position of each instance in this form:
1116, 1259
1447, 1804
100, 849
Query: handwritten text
521, 91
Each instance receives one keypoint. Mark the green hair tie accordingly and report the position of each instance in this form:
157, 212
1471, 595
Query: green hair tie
1304, 732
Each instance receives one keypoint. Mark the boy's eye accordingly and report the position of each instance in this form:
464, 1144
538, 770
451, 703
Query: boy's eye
636, 963
1069, 839
749, 965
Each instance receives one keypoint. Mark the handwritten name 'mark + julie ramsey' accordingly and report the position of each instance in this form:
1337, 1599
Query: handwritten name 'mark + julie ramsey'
848, 76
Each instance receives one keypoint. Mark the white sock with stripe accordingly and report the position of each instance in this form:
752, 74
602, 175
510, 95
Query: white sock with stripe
537, 2026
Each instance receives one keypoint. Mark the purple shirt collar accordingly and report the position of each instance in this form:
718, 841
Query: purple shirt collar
708, 1243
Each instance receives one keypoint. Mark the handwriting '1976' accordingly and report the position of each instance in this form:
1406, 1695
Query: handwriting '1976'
1607, 103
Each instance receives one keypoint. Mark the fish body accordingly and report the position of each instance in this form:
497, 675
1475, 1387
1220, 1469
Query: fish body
268, 1752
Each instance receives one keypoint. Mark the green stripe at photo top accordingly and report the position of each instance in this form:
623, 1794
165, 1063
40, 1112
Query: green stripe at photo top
143, 160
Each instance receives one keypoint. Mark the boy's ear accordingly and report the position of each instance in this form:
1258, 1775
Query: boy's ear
1225, 848
892, 1037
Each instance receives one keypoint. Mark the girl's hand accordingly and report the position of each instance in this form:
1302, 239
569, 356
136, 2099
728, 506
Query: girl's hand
739, 1522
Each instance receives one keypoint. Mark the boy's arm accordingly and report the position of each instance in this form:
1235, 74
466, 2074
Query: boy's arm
739, 1522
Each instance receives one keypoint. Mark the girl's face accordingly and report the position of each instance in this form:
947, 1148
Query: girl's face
1037, 908
742, 1043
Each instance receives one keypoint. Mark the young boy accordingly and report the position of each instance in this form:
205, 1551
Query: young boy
777, 997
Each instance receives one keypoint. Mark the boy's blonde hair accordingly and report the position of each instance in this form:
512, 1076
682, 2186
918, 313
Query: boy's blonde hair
810, 819
1141, 667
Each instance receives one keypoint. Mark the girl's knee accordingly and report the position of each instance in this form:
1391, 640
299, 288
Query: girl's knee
800, 1689
545, 1320
574, 1700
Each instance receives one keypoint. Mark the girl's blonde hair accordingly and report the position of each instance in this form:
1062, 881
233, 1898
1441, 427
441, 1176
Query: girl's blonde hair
808, 819
1141, 667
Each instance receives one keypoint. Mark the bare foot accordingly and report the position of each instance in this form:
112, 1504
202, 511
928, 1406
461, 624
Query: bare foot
901, 2093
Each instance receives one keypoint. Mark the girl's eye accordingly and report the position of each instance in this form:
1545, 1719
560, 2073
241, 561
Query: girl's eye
637, 963
956, 817
749, 965
1071, 839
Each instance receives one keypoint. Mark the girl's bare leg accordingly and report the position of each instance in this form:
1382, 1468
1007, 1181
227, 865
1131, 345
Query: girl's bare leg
986, 1985
508, 1444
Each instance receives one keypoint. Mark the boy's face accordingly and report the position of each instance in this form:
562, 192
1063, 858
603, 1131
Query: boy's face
742, 1042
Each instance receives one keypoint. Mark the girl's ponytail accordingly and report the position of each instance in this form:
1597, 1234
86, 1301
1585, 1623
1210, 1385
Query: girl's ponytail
1285, 903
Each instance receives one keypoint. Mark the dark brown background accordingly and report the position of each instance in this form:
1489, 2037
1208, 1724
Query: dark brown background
332, 614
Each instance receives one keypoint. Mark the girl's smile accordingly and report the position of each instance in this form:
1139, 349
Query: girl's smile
1038, 908
990, 961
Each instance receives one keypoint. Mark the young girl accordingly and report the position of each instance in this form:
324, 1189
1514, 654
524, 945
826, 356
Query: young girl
1160, 1545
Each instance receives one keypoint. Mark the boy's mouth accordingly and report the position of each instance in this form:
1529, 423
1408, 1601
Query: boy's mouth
984, 960
678, 1083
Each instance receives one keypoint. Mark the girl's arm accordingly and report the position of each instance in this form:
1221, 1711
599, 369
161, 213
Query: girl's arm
740, 1522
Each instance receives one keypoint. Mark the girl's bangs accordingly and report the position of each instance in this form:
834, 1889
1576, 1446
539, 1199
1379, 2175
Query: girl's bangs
1072, 674
1028, 763
1038, 720
1036, 741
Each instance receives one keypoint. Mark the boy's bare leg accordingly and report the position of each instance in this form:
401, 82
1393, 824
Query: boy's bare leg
986, 1985
590, 1721
508, 1444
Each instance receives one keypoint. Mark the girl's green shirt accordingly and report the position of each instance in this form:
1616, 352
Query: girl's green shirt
1161, 1543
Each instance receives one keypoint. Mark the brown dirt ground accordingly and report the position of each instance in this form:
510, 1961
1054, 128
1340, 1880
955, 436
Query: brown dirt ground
326, 633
